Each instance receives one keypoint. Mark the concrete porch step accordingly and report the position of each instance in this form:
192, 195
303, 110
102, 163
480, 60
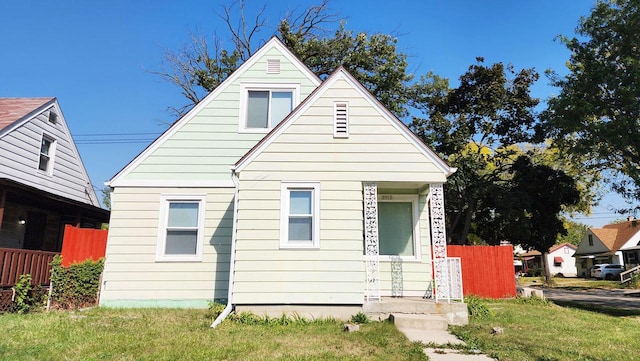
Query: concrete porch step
418, 321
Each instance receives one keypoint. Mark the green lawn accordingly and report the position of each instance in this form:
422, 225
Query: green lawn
161, 334
536, 330
571, 282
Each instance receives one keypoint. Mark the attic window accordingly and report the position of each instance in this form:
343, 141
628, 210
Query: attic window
341, 120
53, 117
273, 66
47, 150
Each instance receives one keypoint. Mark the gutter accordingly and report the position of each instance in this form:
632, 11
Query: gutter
227, 310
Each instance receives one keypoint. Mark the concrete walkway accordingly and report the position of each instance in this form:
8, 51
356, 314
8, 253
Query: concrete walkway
444, 338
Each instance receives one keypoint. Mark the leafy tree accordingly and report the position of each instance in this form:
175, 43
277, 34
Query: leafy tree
106, 197
373, 59
587, 179
475, 127
596, 115
542, 193
575, 232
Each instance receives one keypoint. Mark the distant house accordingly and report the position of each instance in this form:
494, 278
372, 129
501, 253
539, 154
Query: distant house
43, 183
278, 190
561, 261
605, 245
559, 258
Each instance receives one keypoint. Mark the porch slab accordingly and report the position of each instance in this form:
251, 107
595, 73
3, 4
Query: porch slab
455, 312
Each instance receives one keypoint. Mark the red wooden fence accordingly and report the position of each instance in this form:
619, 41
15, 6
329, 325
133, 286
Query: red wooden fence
15, 262
487, 271
81, 244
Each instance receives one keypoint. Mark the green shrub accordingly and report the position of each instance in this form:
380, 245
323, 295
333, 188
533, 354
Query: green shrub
477, 307
23, 300
535, 272
77, 285
360, 317
532, 300
215, 309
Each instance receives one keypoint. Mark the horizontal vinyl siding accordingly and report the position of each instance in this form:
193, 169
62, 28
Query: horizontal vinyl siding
266, 274
205, 148
306, 150
131, 270
374, 150
20, 156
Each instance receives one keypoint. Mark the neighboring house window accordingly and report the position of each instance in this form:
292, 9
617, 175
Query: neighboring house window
47, 150
341, 120
590, 240
557, 261
300, 215
180, 235
263, 107
398, 225
631, 257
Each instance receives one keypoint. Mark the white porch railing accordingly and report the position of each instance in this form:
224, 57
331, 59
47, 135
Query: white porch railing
626, 276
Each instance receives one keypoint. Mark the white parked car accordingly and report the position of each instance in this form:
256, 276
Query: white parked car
607, 271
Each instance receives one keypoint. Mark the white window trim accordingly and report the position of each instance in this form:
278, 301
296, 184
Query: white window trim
163, 219
244, 101
51, 155
414, 199
284, 215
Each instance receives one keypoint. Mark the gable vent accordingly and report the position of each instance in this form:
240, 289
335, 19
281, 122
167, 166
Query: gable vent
273, 66
341, 120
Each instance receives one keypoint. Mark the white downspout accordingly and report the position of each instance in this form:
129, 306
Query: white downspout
229, 307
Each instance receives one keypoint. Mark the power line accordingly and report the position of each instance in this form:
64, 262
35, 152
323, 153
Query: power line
114, 141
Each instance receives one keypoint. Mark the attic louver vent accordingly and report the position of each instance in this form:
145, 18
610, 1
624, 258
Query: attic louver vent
341, 120
53, 117
273, 66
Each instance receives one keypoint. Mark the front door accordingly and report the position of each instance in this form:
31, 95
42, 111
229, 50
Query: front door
35, 230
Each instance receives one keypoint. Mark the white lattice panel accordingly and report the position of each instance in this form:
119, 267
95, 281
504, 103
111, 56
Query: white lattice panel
439, 242
372, 251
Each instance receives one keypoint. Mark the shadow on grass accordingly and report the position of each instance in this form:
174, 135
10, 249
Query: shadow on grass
611, 311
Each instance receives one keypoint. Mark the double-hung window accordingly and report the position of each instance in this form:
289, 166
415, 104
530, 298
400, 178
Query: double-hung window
180, 235
263, 107
300, 215
47, 150
398, 226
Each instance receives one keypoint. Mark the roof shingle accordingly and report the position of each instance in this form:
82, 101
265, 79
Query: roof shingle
14, 109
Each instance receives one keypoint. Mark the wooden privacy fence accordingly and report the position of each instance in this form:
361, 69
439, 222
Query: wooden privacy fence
81, 244
487, 271
15, 262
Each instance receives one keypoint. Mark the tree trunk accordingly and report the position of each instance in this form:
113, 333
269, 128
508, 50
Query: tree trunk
467, 222
547, 272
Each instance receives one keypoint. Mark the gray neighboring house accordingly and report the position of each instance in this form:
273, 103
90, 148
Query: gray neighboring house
43, 183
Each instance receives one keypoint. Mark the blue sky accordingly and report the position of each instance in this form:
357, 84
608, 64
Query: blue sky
94, 56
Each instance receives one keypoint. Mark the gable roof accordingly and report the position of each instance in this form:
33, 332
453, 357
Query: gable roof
12, 110
274, 42
565, 244
342, 73
15, 112
614, 236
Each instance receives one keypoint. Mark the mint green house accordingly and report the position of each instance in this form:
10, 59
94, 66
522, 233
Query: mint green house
279, 191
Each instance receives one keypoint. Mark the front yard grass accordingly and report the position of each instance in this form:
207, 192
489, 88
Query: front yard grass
539, 330
170, 334
570, 283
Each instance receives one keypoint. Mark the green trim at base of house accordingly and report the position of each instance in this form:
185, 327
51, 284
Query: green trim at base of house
157, 303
